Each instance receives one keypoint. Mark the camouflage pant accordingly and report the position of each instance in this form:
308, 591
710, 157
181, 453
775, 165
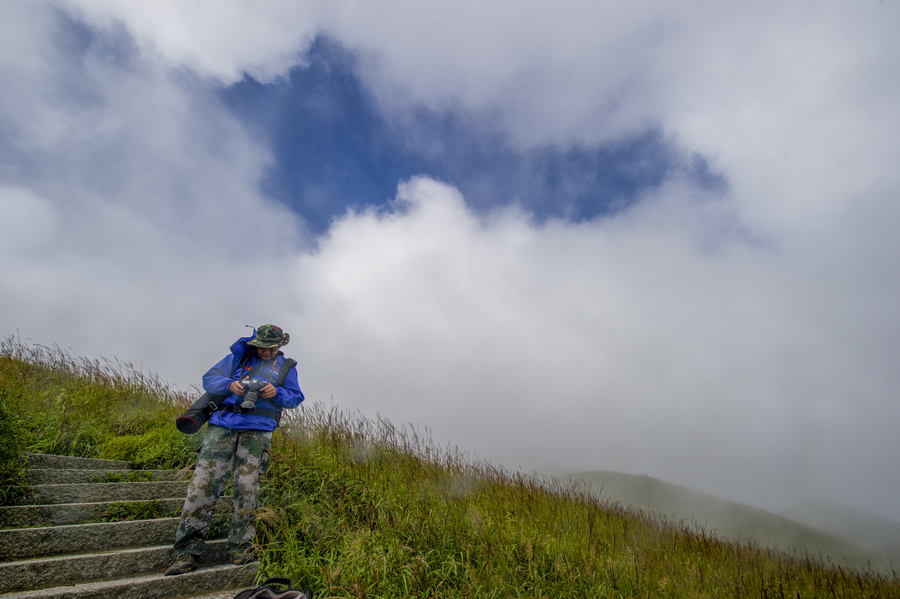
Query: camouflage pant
239, 454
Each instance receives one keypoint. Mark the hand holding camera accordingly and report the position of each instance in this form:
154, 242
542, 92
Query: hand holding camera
253, 389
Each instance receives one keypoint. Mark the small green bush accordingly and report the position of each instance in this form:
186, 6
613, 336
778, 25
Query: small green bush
164, 448
13, 485
133, 476
121, 511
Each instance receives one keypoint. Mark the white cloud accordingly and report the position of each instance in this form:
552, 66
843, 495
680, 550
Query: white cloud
136, 223
744, 345
620, 344
222, 40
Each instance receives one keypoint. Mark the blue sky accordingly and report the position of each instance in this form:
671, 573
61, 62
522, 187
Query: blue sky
334, 151
641, 237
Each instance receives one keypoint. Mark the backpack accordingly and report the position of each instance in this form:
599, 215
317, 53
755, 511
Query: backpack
266, 591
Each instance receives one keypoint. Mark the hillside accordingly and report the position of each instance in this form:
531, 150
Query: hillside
874, 534
359, 508
822, 531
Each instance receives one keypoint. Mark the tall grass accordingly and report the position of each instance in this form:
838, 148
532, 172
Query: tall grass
359, 508
363, 509
55, 403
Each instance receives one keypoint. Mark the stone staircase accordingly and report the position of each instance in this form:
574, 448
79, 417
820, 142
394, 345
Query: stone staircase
58, 547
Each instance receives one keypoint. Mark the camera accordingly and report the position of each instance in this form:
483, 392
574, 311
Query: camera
251, 392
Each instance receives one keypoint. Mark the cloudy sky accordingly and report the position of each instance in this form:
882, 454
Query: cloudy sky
651, 237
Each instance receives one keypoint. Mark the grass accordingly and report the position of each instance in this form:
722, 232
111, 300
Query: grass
135, 476
358, 508
122, 511
57, 404
362, 509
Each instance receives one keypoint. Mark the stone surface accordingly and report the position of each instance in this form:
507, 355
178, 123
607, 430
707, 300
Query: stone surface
154, 586
93, 492
51, 554
54, 571
23, 543
56, 476
69, 513
40, 460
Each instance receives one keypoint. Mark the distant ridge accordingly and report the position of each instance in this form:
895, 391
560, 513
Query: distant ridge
733, 521
871, 532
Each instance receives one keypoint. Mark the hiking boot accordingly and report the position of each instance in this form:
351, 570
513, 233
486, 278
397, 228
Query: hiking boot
242, 556
184, 563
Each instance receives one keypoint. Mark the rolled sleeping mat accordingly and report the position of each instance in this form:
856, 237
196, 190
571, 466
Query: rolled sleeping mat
197, 415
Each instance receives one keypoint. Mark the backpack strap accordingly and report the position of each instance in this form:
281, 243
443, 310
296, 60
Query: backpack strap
283, 371
279, 382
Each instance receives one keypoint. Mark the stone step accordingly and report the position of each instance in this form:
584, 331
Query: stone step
204, 580
62, 476
24, 543
94, 492
22, 516
43, 460
34, 574
85, 561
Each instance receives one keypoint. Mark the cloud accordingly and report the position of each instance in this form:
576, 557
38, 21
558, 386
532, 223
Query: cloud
799, 93
132, 199
624, 343
221, 41
743, 344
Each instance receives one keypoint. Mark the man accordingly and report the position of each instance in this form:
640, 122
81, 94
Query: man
237, 442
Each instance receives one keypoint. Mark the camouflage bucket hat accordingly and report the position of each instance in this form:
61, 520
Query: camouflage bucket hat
268, 336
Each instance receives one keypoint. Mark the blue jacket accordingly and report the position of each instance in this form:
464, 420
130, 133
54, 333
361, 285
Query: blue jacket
229, 369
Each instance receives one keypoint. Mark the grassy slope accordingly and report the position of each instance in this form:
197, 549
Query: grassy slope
355, 508
61, 405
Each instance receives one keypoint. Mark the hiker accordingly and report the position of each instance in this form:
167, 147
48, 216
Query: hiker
237, 442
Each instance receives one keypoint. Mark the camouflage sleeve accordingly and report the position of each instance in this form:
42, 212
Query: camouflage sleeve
217, 378
289, 395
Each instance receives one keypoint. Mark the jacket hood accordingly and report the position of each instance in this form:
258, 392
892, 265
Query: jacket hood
240, 348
